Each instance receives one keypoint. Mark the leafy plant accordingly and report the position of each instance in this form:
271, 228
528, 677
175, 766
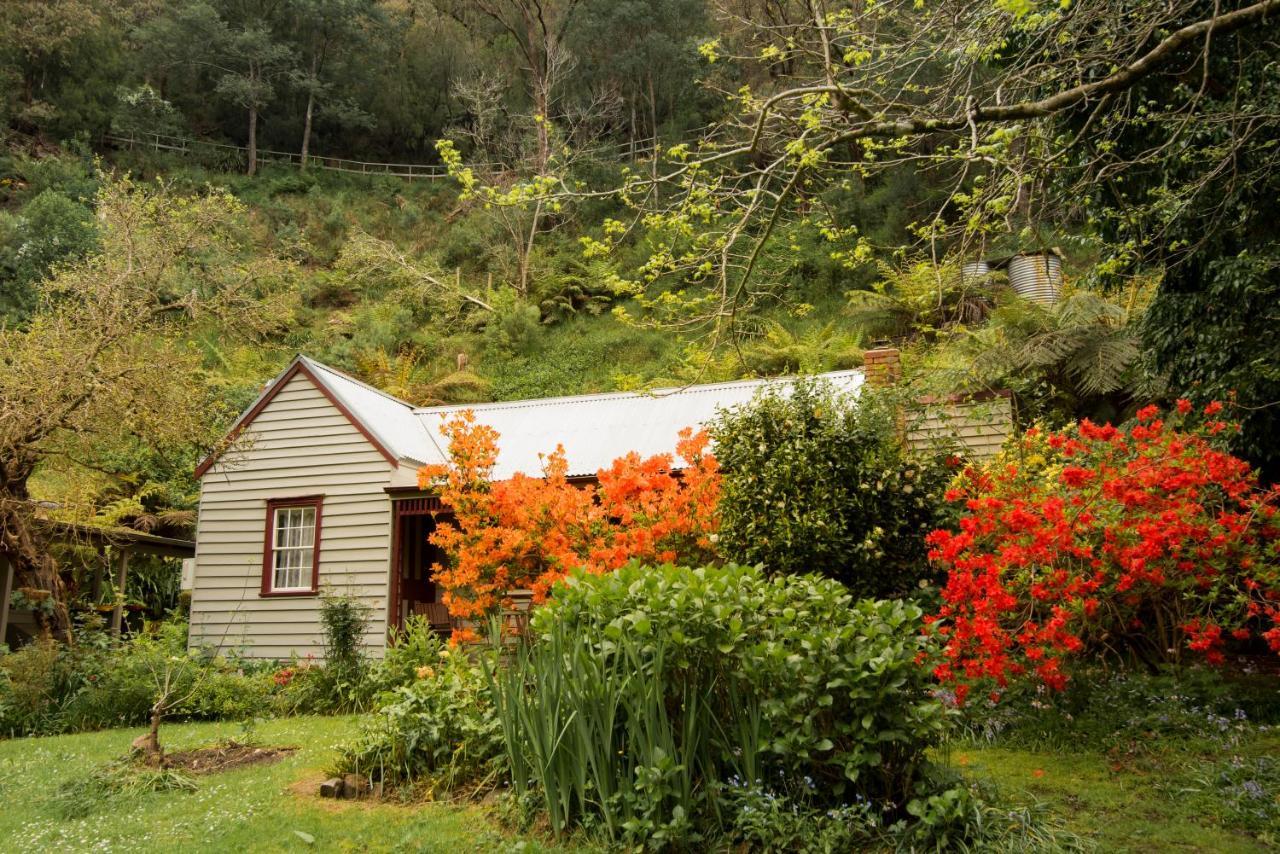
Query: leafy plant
642, 693
817, 482
438, 732
343, 620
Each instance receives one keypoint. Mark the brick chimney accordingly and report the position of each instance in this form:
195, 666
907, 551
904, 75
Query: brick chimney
883, 366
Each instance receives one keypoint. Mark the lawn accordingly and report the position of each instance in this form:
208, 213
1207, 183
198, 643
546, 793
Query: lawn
264, 808
1177, 800
1166, 802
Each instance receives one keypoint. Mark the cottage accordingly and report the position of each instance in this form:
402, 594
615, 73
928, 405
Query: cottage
317, 488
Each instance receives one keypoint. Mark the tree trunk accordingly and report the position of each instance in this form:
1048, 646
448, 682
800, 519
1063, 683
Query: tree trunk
306, 129
25, 546
653, 121
541, 105
253, 141
311, 103
149, 744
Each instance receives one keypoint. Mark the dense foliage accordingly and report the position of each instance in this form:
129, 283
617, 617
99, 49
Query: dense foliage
48, 687
528, 532
817, 481
1149, 541
436, 730
651, 700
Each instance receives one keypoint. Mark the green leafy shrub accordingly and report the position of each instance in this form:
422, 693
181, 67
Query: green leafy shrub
51, 228
412, 647
229, 694
438, 732
341, 684
814, 481
48, 687
646, 691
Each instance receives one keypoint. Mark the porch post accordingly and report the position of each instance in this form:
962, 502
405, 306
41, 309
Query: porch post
7, 568
117, 616
96, 589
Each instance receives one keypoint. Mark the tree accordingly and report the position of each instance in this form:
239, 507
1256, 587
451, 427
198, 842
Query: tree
240, 47
643, 49
104, 359
539, 30
40, 34
328, 30
1012, 105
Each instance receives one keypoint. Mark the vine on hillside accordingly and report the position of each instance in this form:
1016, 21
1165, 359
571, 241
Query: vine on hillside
528, 532
1148, 540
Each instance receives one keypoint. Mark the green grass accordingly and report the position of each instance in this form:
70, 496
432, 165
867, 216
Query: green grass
264, 808
1170, 801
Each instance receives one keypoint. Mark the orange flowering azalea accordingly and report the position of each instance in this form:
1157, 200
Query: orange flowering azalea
529, 532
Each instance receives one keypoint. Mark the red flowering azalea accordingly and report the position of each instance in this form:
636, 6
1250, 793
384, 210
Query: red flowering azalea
1150, 541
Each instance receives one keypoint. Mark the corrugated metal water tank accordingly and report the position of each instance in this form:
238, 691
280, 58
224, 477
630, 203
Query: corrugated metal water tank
1036, 277
973, 271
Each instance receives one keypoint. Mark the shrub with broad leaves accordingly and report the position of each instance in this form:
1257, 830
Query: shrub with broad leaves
1149, 541
654, 703
817, 481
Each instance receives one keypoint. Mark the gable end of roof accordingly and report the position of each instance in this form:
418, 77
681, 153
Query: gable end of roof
304, 366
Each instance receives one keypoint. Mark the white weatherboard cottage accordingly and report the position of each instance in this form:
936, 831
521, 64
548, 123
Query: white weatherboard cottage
319, 490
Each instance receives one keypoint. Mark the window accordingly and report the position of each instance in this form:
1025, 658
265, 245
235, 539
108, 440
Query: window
291, 551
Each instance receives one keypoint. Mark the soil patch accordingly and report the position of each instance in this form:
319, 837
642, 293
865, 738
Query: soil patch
224, 757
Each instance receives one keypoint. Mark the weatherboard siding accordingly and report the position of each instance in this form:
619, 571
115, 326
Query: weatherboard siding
299, 445
980, 428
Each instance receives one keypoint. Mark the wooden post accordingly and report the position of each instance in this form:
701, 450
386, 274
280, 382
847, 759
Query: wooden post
95, 591
7, 568
117, 616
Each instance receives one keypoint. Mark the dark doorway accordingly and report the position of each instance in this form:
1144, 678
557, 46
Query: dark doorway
414, 591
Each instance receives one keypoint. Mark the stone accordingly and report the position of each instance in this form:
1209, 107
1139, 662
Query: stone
331, 788
354, 785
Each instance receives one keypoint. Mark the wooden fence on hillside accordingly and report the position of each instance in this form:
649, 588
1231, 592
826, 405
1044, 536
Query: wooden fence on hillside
630, 150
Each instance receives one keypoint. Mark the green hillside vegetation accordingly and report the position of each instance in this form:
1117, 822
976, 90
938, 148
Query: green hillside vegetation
364, 249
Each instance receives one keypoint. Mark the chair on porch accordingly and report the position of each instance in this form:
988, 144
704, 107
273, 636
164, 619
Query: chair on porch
437, 615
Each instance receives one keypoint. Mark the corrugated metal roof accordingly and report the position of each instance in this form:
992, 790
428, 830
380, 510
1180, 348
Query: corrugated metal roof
388, 418
596, 429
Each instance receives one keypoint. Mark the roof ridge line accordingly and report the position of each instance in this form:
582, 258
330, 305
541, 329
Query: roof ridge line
605, 395
346, 376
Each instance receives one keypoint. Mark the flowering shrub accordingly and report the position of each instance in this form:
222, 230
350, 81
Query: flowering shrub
1149, 540
528, 532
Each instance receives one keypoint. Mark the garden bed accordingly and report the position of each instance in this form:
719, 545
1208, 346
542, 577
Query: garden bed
224, 757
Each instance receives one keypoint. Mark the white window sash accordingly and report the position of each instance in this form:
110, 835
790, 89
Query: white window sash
293, 550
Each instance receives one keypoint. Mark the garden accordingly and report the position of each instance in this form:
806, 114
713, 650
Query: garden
796, 634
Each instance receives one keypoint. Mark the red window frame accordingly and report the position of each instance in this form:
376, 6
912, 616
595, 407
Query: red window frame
269, 539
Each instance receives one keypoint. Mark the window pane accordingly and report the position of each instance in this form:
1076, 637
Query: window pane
293, 549
307, 533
